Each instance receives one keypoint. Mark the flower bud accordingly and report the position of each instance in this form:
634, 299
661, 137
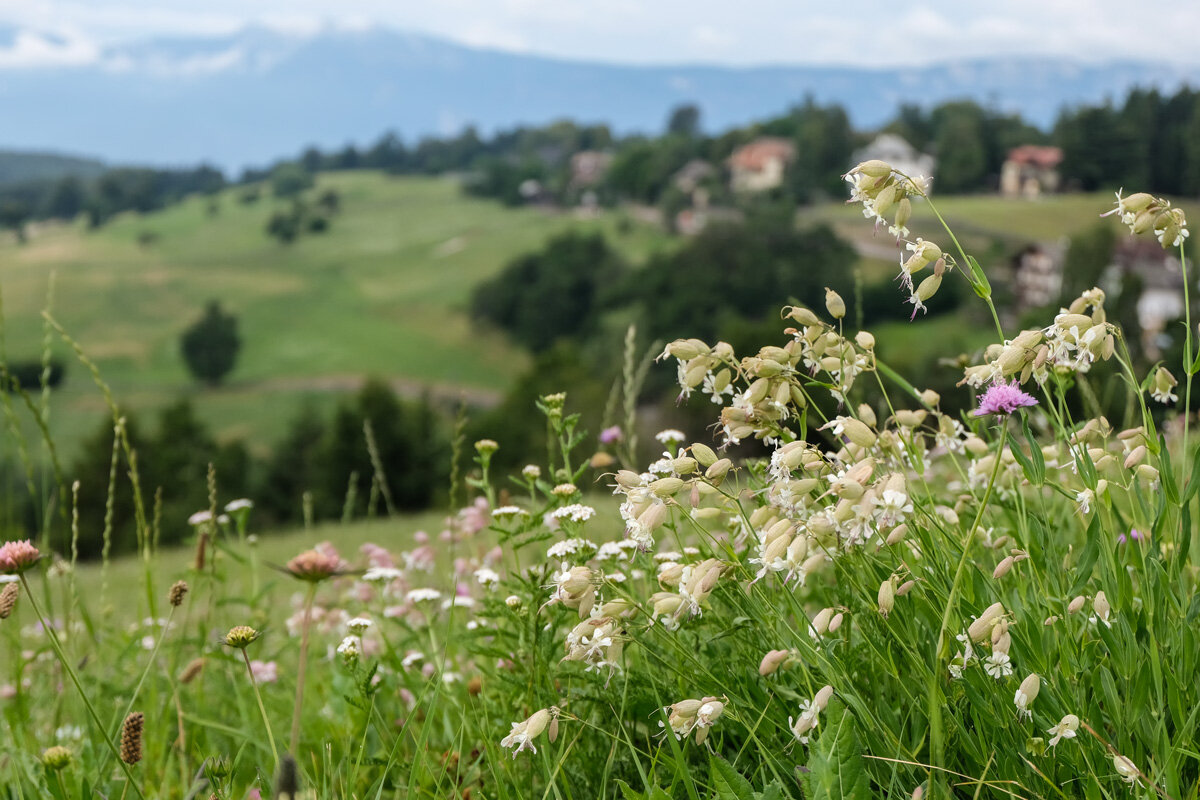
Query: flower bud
703, 454
1002, 568
874, 169
834, 304
897, 535
887, 597
717, 470
772, 661
1076, 604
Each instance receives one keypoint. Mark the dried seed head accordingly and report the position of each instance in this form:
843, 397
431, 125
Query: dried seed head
177, 593
8, 599
192, 670
131, 738
287, 779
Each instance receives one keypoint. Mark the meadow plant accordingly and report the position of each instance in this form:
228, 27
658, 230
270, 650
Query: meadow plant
846, 591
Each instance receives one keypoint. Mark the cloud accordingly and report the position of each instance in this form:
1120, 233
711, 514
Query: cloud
29, 49
865, 33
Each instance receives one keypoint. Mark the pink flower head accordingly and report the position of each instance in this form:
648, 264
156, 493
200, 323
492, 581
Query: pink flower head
18, 556
264, 671
1003, 398
316, 565
1134, 534
611, 434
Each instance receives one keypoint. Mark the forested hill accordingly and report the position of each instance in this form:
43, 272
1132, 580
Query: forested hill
22, 167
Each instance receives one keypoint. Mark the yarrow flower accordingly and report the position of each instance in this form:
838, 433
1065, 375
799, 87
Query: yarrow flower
18, 556
1003, 398
671, 436
576, 512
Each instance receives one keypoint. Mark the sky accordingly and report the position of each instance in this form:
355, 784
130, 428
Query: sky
727, 32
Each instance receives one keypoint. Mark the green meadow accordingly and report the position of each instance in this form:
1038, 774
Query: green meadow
383, 292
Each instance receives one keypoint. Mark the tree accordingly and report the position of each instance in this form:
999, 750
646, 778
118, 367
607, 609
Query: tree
13, 215
684, 121
290, 179
557, 292
211, 344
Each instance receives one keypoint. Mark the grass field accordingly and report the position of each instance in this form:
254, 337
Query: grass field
383, 292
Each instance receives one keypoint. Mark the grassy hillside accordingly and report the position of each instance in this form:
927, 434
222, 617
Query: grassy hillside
383, 292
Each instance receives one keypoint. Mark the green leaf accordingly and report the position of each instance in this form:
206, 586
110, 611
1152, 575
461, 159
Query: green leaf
1087, 560
627, 793
772, 791
836, 770
728, 783
979, 279
1166, 474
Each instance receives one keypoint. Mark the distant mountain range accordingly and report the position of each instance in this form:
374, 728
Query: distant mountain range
257, 95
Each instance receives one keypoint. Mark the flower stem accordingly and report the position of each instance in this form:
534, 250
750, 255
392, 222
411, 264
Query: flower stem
1189, 355
294, 741
66, 665
261, 709
936, 731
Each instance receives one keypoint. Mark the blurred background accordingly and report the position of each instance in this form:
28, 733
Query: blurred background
272, 226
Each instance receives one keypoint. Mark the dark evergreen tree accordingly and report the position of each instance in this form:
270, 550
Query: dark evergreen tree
210, 345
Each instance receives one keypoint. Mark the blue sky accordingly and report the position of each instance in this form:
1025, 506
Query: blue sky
745, 32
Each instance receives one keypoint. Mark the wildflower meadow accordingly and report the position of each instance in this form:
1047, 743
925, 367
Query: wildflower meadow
837, 590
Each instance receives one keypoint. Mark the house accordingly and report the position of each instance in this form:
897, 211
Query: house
1030, 171
691, 180
588, 168
1143, 264
1037, 273
896, 150
759, 166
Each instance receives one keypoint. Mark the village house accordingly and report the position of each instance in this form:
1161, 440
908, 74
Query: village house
896, 150
1037, 276
1144, 265
1030, 171
588, 168
760, 165
690, 180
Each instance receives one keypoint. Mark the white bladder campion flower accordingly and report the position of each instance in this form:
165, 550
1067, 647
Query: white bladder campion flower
1026, 694
810, 715
1065, 729
1126, 769
523, 733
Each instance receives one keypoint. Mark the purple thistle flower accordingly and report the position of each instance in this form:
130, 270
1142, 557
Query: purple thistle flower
611, 434
1134, 534
1003, 398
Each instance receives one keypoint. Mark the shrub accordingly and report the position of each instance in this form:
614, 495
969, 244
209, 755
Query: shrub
210, 345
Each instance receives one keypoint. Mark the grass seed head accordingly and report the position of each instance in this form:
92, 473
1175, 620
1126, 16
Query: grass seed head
131, 738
